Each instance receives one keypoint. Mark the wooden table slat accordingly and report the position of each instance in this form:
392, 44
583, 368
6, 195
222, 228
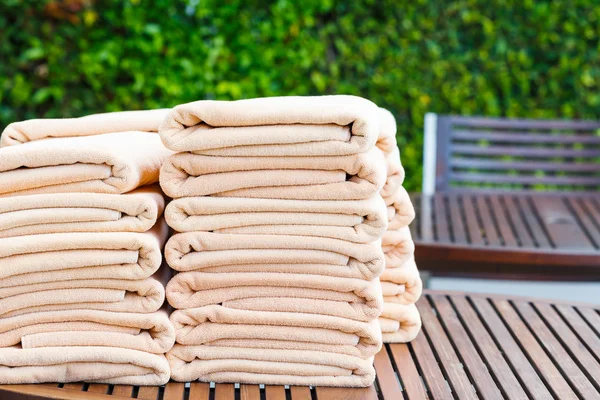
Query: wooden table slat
98, 388
224, 391
531, 215
199, 391
478, 370
249, 392
174, 391
581, 211
513, 213
442, 345
483, 209
587, 363
331, 393
494, 359
388, 383
536, 354
148, 393
432, 374
122, 390
407, 371
581, 327
73, 386
458, 226
300, 393
275, 392
475, 232
519, 363
498, 213
441, 220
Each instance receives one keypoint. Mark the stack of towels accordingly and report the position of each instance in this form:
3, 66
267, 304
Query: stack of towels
400, 281
279, 206
81, 235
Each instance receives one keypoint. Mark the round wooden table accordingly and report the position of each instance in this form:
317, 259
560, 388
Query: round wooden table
472, 346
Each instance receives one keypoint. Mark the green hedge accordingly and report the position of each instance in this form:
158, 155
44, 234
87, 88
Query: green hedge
515, 58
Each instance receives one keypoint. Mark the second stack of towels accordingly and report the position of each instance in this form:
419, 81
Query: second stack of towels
278, 205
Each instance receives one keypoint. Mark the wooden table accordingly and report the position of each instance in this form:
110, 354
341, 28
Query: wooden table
508, 235
472, 346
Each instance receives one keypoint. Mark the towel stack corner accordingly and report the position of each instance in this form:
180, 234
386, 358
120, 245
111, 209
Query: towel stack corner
81, 236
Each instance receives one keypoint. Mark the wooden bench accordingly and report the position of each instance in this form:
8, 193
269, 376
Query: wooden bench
510, 198
471, 346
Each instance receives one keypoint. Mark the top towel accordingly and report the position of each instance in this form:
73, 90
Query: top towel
274, 126
105, 153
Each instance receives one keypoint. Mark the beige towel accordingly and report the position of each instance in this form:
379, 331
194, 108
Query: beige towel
108, 163
271, 367
386, 140
281, 292
149, 332
400, 210
198, 250
352, 177
403, 284
397, 246
38, 129
63, 256
209, 324
120, 295
359, 221
399, 323
136, 211
284, 126
91, 364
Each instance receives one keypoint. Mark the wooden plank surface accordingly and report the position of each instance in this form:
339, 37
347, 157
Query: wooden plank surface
471, 346
476, 233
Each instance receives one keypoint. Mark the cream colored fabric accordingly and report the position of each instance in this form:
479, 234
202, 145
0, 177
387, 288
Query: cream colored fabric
149, 332
90, 364
282, 292
209, 324
386, 140
97, 124
121, 295
136, 211
402, 284
285, 126
64, 256
109, 163
359, 221
399, 323
400, 210
199, 250
352, 177
397, 246
271, 367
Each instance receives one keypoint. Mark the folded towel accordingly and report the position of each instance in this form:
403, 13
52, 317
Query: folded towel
149, 332
403, 284
209, 324
136, 211
271, 367
395, 175
97, 124
122, 295
352, 177
397, 246
282, 292
284, 126
386, 140
198, 250
400, 210
359, 221
64, 256
91, 364
399, 323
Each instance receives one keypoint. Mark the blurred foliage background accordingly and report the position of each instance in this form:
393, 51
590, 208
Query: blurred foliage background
528, 58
